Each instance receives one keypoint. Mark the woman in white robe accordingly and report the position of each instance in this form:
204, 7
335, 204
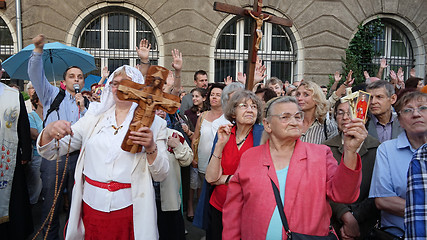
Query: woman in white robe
99, 135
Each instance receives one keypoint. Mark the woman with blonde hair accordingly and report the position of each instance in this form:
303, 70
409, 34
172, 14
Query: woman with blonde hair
317, 126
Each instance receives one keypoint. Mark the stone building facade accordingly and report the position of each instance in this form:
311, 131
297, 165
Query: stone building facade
311, 49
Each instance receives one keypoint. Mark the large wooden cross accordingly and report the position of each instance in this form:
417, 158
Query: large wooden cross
255, 41
149, 97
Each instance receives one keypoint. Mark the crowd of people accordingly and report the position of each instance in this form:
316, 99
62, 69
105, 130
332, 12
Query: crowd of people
266, 163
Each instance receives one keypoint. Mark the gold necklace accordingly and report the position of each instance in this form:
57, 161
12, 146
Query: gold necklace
116, 128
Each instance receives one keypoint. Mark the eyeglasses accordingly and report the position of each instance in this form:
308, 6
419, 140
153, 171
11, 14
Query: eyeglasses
245, 106
286, 117
341, 113
410, 111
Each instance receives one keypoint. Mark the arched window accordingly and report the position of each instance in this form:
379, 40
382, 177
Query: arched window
394, 45
276, 50
111, 38
6, 44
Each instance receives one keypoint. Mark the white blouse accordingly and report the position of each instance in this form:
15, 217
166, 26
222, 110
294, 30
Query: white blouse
105, 161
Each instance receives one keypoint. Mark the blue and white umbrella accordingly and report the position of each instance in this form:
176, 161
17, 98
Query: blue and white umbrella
57, 57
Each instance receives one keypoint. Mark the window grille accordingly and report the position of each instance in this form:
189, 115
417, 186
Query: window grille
6, 45
276, 50
111, 38
393, 45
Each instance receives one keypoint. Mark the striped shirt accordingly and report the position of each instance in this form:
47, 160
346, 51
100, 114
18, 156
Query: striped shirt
416, 197
316, 132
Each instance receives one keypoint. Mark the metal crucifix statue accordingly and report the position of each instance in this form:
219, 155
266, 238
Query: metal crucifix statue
259, 18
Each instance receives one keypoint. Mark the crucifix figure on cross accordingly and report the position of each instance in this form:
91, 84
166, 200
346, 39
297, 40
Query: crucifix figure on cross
259, 21
149, 97
259, 18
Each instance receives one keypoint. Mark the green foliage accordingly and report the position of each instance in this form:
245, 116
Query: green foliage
25, 95
360, 52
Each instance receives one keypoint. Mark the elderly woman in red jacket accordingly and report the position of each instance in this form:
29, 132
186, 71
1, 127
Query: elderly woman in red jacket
306, 174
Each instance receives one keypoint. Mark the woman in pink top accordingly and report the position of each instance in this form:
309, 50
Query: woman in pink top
313, 178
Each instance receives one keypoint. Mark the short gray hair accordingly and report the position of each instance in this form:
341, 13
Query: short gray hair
268, 111
239, 97
229, 89
272, 102
389, 88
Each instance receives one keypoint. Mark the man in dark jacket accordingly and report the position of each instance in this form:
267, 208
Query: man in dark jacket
357, 219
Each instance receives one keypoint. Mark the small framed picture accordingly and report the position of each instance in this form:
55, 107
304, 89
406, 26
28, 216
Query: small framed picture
362, 105
99, 89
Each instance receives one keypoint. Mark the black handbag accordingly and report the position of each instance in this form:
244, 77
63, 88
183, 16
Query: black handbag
379, 233
294, 235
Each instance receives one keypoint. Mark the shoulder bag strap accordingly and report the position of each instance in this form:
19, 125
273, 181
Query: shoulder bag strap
325, 129
55, 104
280, 206
202, 117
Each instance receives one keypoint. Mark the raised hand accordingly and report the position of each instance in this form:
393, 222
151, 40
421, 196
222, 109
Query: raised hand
393, 77
177, 60
241, 77
39, 41
259, 74
258, 62
400, 78
354, 133
224, 133
366, 75
228, 80
383, 63
412, 72
105, 73
349, 81
400, 74
170, 79
143, 50
337, 76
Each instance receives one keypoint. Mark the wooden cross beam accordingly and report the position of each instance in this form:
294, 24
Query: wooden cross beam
256, 30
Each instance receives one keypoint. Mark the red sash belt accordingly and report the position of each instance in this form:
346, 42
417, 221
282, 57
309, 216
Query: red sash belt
110, 186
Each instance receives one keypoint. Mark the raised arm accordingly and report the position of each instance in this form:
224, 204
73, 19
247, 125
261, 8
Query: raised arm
383, 65
337, 79
259, 73
143, 52
177, 65
167, 88
44, 89
354, 134
105, 73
